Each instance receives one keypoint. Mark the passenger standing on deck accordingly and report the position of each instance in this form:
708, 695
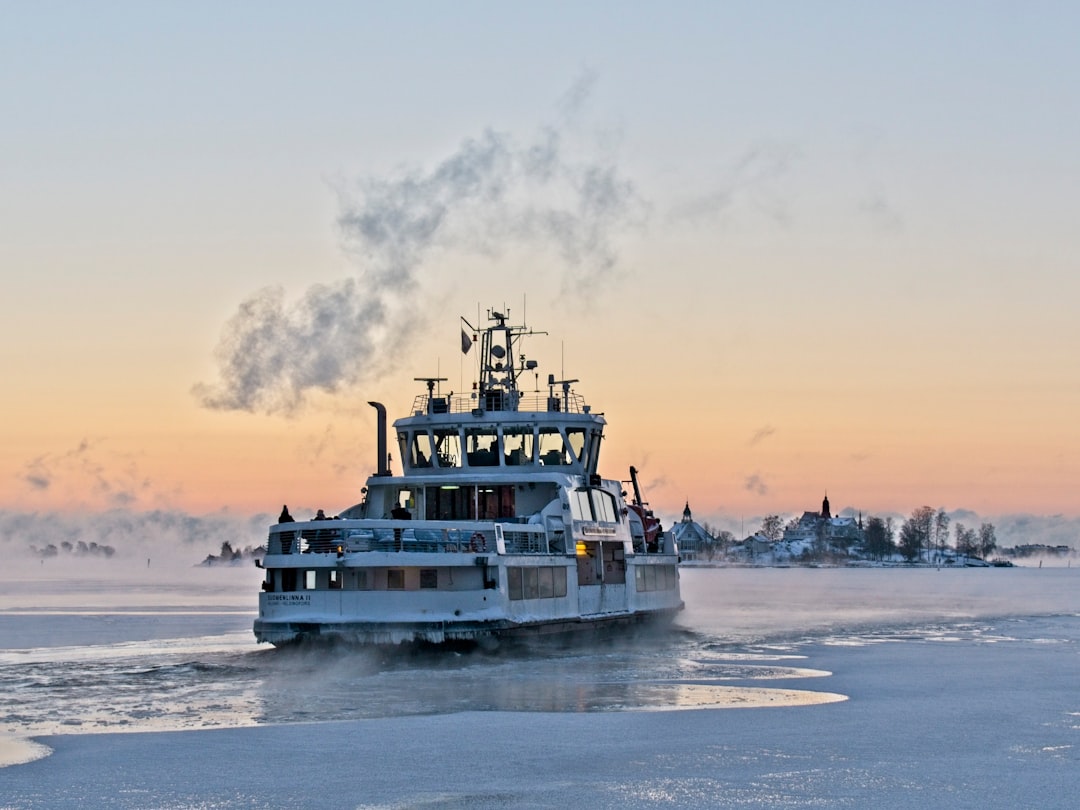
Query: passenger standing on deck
285, 517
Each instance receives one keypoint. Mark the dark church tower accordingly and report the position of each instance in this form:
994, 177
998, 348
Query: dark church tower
825, 508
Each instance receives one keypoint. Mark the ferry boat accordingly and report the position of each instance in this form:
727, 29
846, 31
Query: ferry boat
499, 524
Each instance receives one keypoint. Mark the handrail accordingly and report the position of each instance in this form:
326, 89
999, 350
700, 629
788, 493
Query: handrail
425, 536
529, 402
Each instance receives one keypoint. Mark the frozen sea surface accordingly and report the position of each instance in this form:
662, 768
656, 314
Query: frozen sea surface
777, 688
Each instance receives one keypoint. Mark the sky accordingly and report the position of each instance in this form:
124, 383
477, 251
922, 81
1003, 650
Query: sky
787, 248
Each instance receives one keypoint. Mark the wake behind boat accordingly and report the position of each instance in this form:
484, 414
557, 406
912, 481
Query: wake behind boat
499, 525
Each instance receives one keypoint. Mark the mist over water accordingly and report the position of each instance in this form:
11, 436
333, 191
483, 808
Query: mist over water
145, 654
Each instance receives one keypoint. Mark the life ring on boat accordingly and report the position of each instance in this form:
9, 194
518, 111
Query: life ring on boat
478, 542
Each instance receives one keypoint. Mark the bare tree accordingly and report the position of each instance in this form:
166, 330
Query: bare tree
941, 531
772, 528
878, 539
915, 533
966, 540
987, 540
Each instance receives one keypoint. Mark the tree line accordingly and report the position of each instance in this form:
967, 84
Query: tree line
924, 535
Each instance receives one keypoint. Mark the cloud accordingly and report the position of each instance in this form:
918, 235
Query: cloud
752, 180
756, 484
88, 469
761, 434
495, 192
880, 212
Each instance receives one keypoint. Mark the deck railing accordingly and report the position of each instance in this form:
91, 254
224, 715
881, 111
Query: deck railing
424, 536
530, 401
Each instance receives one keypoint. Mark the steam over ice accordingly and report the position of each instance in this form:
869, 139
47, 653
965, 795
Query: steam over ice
492, 194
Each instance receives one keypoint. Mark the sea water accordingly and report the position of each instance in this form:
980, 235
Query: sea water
776, 688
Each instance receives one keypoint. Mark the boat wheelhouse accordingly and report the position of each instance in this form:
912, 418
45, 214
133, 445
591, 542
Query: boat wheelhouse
498, 525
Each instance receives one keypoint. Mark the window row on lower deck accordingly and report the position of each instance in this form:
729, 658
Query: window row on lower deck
656, 578
536, 582
286, 580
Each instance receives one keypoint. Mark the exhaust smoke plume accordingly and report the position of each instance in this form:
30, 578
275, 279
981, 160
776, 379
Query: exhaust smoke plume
492, 194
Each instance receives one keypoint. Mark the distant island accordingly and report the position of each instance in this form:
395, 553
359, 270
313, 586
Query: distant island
820, 538
230, 556
66, 548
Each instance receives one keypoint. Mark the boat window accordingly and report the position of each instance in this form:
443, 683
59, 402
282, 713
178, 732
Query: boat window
513, 582
483, 447
448, 447
288, 579
656, 578
495, 502
420, 450
450, 502
518, 445
539, 582
594, 450
395, 579
335, 580
429, 578
545, 583
594, 505
551, 447
580, 506
604, 506
575, 438
309, 580
529, 583
559, 582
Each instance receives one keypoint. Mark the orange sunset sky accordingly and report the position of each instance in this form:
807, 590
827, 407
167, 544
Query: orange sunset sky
785, 248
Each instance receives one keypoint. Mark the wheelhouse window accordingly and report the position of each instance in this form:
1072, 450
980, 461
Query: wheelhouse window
575, 439
518, 445
448, 447
419, 453
552, 448
594, 450
482, 446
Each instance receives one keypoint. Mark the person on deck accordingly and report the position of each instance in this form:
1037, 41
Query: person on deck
285, 517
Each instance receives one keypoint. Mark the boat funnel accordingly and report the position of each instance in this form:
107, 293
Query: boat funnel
383, 466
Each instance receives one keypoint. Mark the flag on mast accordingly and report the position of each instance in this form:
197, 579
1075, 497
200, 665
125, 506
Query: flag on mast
466, 342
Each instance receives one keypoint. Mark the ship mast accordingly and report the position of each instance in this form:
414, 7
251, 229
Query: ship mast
499, 372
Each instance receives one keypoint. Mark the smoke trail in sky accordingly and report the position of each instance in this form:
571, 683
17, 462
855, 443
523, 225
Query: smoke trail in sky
492, 194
